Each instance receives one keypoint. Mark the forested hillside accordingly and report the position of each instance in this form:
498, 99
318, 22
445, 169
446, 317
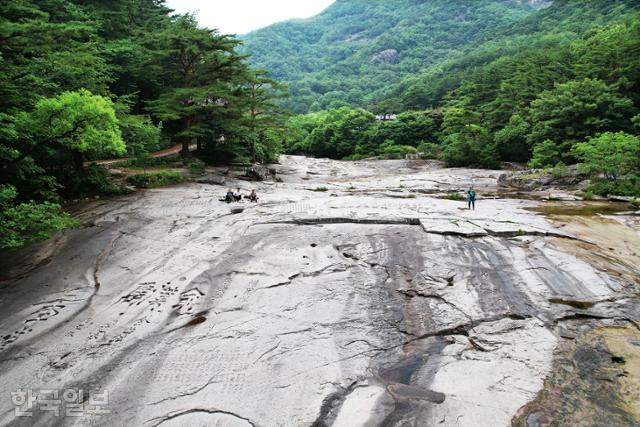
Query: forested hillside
473, 83
559, 87
90, 79
356, 48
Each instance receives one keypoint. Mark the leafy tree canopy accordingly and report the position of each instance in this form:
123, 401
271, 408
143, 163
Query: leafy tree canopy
614, 154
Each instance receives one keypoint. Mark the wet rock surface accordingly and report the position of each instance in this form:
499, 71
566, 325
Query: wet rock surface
371, 303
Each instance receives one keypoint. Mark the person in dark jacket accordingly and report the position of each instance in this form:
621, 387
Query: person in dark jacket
471, 199
230, 196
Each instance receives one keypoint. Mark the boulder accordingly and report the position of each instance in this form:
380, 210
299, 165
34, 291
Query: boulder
258, 172
541, 179
116, 172
211, 179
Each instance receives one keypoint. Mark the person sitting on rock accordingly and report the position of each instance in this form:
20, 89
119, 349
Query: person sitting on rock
253, 197
230, 196
237, 196
471, 199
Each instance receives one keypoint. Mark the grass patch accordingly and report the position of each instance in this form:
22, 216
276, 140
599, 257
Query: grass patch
155, 179
455, 196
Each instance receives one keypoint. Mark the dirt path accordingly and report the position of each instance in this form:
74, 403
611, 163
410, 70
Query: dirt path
162, 153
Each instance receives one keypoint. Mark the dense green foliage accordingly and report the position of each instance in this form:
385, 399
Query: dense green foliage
473, 83
155, 179
615, 158
525, 92
23, 223
561, 75
354, 50
355, 133
82, 80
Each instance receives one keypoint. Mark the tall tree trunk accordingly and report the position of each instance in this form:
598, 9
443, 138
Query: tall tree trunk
252, 149
185, 140
78, 160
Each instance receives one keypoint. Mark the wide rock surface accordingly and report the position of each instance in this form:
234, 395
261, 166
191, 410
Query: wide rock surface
369, 303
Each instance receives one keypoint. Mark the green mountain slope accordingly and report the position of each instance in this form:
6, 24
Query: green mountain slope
536, 48
560, 86
357, 48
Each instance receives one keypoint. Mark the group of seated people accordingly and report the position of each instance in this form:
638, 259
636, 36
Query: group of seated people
237, 196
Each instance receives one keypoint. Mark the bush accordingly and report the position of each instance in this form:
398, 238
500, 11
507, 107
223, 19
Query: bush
560, 170
93, 179
389, 150
197, 166
587, 195
614, 155
320, 189
470, 150
29, 222
429, 150
140, 134
455, 196
545, 155
155, 179
628, 187
97, 178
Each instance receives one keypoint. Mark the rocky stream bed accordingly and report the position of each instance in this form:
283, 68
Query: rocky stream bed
352, 294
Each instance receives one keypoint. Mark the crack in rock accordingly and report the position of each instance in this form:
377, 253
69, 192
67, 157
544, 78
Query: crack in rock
268, 351
334, 268
412, 293
211, 411
592, 316
464, 328
341, 220
332, 403
187, 393
417, 221
100, 259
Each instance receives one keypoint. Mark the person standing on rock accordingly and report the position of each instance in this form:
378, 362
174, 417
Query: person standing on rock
471, 199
